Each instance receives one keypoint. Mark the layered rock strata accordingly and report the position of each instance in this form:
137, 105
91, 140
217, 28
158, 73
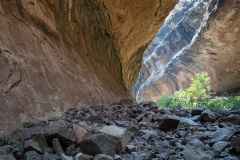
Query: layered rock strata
70, 53
170, 63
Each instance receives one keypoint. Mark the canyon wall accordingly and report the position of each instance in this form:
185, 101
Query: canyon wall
216, 50
56, 54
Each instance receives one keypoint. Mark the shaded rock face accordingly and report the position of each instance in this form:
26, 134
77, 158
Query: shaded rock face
170, 63
69, 53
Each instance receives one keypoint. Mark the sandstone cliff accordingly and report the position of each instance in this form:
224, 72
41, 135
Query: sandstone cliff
56, 54
216, 51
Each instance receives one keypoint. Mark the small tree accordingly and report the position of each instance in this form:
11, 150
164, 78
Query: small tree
199, 90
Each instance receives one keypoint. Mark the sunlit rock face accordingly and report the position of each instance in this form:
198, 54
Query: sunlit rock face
56, 54
196, 37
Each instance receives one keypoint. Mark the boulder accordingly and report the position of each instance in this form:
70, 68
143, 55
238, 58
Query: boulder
208, 115
49, 156
32, 145
30, 155
81, 156
7, 157
130, 148
61, 131
119, 134
79, 132
135, 156
169, 122
57, 147
234, 119
195, 144
197, 110
103, 157
195, 155
219, 146
235, 143
41, 141
223, 134
98, 144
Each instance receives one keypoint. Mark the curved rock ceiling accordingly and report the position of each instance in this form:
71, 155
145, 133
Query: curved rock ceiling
56, 54
169, 63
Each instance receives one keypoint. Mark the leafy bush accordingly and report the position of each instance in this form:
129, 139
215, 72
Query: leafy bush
165, 102
218, 103
181, 100
199, 90
198, 94
224, 103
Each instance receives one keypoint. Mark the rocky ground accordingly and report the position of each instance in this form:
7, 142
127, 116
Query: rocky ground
128, 131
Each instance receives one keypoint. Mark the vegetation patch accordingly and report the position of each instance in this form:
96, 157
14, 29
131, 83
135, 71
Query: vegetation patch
198, 94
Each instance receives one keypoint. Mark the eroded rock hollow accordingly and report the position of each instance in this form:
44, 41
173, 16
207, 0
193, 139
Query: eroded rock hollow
56, 54
199, 36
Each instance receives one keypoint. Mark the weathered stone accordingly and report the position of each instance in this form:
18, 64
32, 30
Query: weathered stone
135, 156
121, 136
145, 131
133, 128
117, 157
65, 157
48, 156
208, 115
5, 149
235, 143
234, 119
210, 127
32, 145
98, 144
79, 132
222, 134
41, 141
139, 117
197, 111
2, 141
103, 157
58, 148
130, 148
7, 157
219, 146
61, 131
198, 135
148, 155
28, 124
121, 123
187, 121
30, 155
81, 156
195, 144
95, 119
169, 122
195, 155
196, 118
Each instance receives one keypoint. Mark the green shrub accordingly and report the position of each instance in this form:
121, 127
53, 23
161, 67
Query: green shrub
234, 103
181, 100
198, 94
218, 103
199, 90
165, 101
